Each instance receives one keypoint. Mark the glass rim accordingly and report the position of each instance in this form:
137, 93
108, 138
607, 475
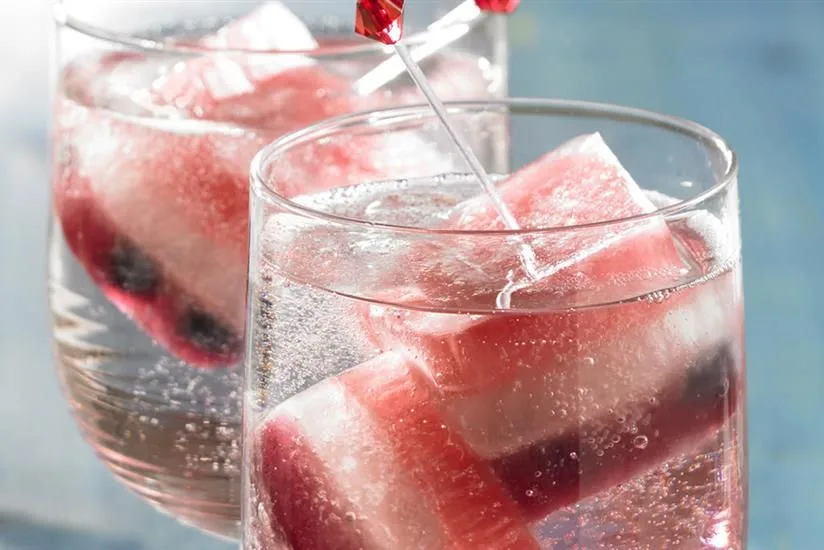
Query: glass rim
550, 107
470, 17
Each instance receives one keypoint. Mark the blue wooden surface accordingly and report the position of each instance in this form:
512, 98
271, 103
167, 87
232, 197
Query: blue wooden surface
753, 71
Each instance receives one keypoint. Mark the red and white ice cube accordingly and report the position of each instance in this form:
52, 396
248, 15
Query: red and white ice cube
156, 209
158, 217
367, 461
524, 385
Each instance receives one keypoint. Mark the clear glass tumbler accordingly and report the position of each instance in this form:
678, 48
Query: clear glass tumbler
418, 376
158, 110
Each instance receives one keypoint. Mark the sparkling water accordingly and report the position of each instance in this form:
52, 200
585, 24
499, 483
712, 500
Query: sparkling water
609, 452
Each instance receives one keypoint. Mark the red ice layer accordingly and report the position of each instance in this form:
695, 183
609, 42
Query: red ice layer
543, 396
366, 461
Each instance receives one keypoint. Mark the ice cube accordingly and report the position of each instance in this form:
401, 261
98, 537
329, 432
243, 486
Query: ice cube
371, 447
518, 378
271, 26
175, 199
332, 480
273, 90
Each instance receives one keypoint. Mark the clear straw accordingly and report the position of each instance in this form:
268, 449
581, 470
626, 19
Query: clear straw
528, 260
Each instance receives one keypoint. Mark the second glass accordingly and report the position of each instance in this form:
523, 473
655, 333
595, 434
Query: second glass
159, 110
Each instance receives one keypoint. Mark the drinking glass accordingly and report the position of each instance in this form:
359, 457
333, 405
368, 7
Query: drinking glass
410, 384
158, 110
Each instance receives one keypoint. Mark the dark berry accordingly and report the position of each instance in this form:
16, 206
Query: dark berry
131, 270
207, 333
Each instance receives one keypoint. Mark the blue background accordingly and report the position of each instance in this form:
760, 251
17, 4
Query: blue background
751, 70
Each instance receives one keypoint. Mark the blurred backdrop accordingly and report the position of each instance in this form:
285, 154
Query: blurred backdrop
751, 70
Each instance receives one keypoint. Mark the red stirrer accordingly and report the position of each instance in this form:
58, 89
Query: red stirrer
382, 20
498, 6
